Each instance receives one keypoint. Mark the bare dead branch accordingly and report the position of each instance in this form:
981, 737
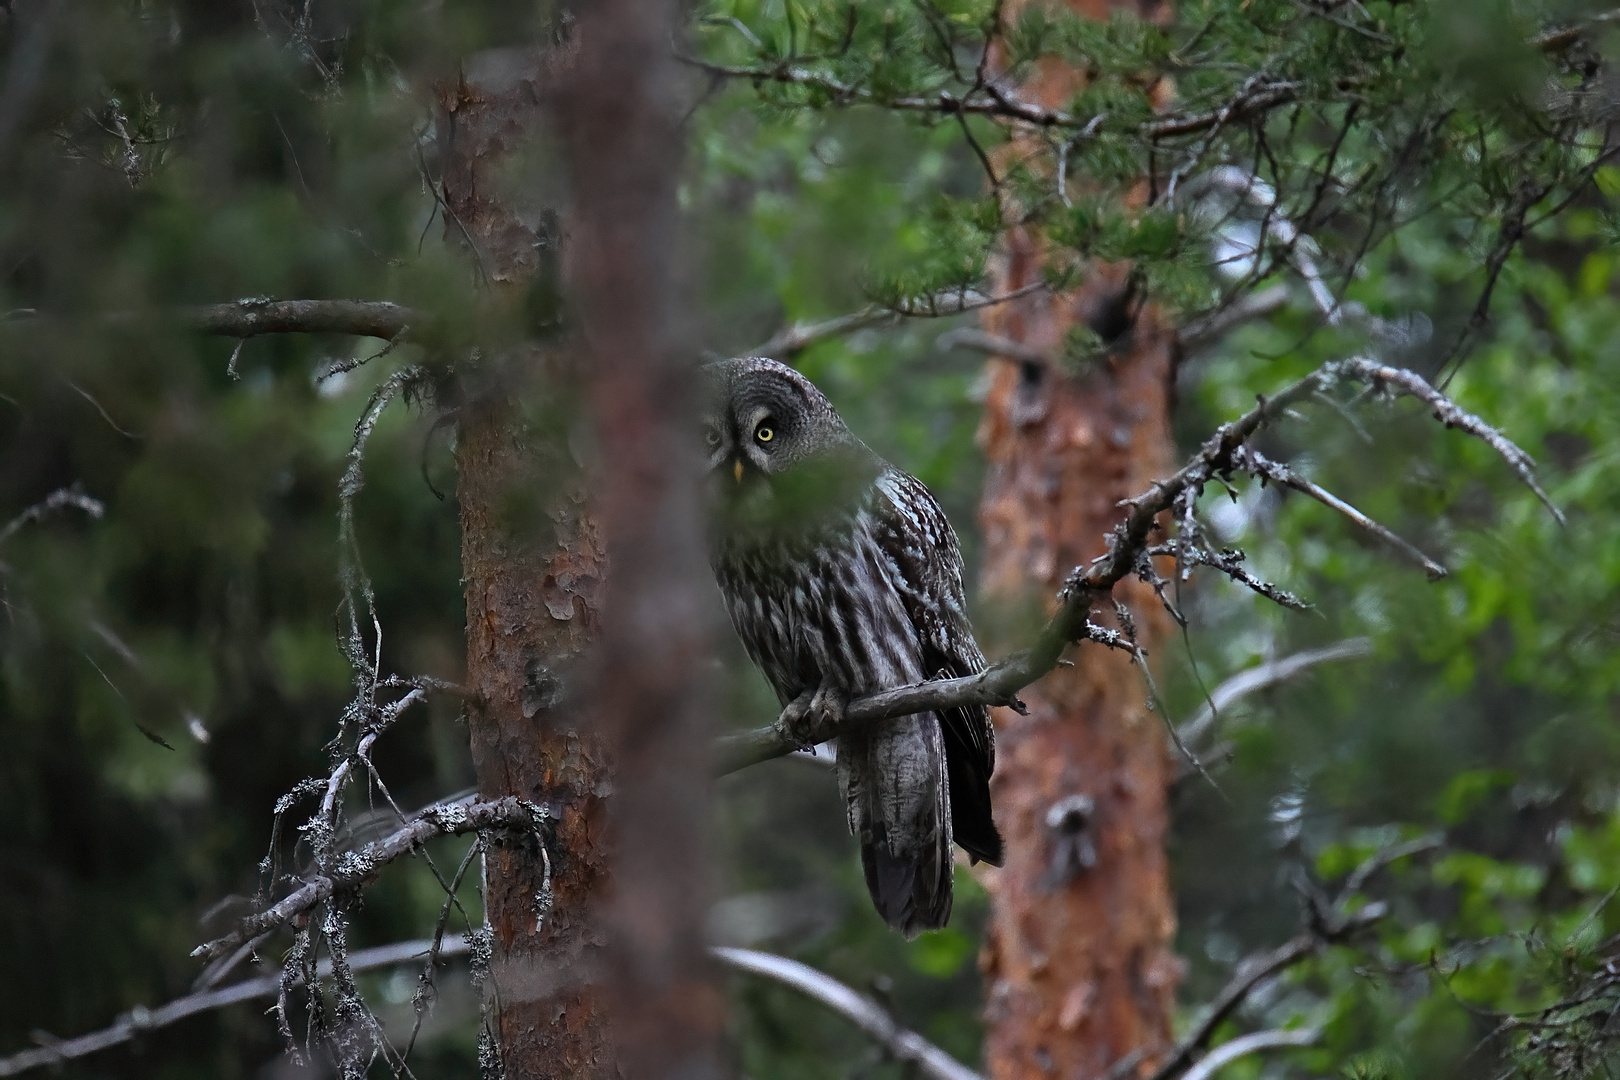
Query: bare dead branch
59, 499
991, 344
1383, 857
999, 104
1217, 324
1328, 924
1266, 675
1244, 1045
1224, 452
1254, 971
255, 316
905, 1045
800, 336
1262, 466
140, 1019
358, 868
1449, 413
1230, 563
258, 315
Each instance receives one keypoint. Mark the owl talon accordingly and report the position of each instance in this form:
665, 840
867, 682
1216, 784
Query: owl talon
827, 710
793, 721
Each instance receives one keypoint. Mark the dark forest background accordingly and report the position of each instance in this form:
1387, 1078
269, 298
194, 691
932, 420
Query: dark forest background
168, 666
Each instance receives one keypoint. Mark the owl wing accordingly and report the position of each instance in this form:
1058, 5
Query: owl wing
926, 558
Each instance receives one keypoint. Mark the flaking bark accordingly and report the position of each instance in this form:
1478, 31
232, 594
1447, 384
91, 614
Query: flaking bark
1078, 956
534, 566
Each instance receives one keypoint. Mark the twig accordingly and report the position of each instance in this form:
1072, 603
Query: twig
257, 315
1262, 466
905, 1045
356, 869
1451, 414
1217, 324
59, 499
800, 336
1264, 675
1230, 563
991, 344
1383, 857
999, 104
1254, 971
1228, 1052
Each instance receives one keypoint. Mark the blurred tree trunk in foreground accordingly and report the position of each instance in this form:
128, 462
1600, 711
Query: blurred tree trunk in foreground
586, 696
1078, 958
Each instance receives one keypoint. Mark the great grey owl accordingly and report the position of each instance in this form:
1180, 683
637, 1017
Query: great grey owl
843, 577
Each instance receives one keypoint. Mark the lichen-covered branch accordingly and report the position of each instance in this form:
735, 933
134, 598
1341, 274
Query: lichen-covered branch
358, 868
904, 1045
1225, 452
140, 1020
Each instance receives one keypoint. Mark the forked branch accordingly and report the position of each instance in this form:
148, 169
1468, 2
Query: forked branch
1224, 453
357, 869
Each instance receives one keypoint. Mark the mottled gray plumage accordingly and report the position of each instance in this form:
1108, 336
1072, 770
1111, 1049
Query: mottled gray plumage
843, 577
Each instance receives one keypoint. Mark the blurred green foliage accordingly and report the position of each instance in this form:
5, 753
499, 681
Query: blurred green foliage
168, 670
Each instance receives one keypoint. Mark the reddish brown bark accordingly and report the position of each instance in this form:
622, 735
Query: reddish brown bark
588, 694
1078, 959
534, 569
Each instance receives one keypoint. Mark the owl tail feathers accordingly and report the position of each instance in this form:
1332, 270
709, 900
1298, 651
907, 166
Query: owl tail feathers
911, 890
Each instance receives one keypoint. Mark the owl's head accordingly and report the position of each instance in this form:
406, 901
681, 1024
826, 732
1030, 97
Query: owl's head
769, 434
763, 417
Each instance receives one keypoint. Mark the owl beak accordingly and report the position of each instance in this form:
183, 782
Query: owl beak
736, 469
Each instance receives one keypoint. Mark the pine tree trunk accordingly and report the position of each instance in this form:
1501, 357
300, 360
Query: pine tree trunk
534, 567
1078, 958
588, 693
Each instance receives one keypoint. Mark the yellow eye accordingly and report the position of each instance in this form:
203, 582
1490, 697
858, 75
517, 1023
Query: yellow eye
764, 434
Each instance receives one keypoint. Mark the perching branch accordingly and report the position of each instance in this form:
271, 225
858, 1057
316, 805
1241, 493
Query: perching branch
357, 869
905, 1045
1225, 452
